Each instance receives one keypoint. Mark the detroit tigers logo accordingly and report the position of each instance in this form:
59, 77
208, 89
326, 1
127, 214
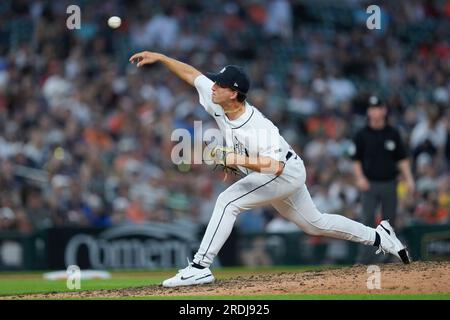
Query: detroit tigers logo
239, 148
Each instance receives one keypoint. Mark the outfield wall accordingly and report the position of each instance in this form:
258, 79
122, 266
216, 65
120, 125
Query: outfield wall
161, 246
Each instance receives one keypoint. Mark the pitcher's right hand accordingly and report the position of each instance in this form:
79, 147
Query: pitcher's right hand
145, 57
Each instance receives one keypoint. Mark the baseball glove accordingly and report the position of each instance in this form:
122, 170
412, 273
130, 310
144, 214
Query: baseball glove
218, 156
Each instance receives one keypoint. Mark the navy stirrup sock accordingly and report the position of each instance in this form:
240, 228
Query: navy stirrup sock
197, 266
377, 240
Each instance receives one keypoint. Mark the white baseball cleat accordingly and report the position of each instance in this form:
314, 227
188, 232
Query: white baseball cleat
189, 276
390, 243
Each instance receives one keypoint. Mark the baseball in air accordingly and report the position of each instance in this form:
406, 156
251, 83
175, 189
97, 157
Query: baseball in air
114, 22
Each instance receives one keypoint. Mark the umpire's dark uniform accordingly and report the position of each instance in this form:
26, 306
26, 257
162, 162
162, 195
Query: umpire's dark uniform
378, 150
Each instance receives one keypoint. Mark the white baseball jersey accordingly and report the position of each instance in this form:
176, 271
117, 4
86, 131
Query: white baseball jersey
252, 134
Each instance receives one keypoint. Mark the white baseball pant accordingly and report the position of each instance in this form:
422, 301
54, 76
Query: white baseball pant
289, 195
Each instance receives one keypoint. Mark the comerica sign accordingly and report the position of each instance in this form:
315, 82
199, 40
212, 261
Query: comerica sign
145, 246
127, 253
131, 246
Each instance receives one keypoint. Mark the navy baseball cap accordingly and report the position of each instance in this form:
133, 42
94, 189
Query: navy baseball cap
232, 77
375, 101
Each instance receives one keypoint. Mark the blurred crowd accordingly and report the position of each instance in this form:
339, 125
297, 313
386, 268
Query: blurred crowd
85, 137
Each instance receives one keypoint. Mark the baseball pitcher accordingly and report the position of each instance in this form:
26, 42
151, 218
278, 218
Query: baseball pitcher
273, 173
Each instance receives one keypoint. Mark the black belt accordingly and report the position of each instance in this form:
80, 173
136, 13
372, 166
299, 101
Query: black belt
289, 155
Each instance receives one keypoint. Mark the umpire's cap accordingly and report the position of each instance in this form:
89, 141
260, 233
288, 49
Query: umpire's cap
232, 77
375, 101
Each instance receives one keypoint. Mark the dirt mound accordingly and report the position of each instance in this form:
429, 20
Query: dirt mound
416, 278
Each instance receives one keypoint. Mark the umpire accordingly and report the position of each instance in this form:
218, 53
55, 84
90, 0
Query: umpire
378, 155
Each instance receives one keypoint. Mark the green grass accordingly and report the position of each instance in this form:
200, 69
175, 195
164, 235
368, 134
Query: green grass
19, 286
21, 283
15, 283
